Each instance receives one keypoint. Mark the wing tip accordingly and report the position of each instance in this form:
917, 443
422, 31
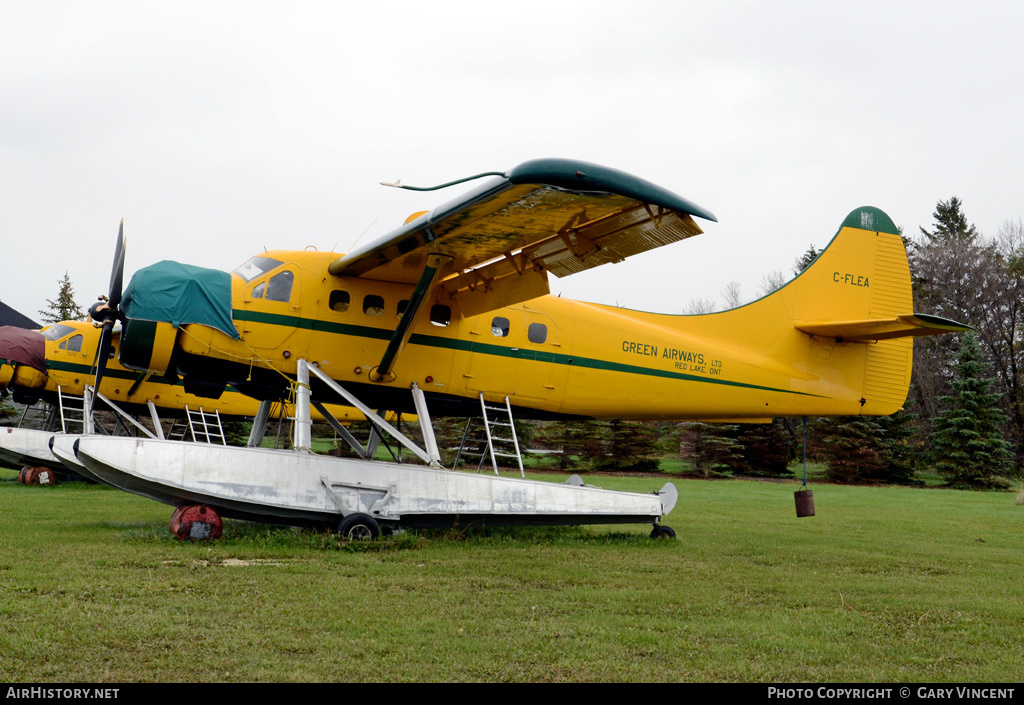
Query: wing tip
576, 175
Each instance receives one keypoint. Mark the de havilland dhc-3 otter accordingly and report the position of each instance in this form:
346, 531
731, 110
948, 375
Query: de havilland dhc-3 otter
452, 310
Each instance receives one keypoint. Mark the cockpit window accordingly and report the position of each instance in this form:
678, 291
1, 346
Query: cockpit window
257, 266
57, 331
280, 286
73, 344
277, 288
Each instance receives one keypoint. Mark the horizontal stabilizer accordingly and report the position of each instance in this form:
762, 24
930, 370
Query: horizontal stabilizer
863, 331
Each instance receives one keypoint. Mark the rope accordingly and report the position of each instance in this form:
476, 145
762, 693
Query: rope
805, 451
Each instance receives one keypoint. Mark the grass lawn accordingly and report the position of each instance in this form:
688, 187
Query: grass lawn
884, 584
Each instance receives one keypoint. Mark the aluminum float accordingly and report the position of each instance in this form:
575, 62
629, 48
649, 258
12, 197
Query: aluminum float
355, 496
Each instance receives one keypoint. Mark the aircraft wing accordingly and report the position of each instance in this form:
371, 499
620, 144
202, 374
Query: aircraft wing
494, 245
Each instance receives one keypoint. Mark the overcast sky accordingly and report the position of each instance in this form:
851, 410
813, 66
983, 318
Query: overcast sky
216, 129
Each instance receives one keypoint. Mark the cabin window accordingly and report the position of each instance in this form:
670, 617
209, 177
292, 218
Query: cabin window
255, 267
499, 327
259, 290
339, 301
402, 305
373, 305
279, 288
537, 333
72, 344
440, 315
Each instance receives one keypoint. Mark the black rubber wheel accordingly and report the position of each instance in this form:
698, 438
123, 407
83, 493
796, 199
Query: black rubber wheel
662, 532
359, 527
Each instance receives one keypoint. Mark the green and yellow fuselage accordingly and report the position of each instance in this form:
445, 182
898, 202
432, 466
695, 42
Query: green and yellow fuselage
555, 357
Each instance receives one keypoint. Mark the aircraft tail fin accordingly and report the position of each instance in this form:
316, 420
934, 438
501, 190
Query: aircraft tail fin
855, 301
842, 329
863, 274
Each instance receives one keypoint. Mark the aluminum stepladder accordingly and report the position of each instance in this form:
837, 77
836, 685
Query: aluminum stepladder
202, 426
497, 425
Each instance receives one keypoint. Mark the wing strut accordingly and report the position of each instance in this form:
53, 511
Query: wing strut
373, 417
401, 335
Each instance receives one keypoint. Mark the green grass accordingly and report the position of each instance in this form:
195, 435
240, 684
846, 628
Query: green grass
884, 584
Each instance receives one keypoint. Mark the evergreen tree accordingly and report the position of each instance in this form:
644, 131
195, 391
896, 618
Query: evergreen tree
952, 271
851, 445
898, 449
236, 431
866, 448
711, 448
630, 446
526, 431
950, 224
64, 308
766, 448
967, 444
580, 443
804, 260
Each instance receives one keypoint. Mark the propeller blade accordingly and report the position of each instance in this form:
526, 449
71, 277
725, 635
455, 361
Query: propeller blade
103, 353
117, 270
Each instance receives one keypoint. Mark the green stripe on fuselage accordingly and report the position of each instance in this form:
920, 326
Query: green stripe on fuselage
77, 368
87, 370
434, 341
274, 319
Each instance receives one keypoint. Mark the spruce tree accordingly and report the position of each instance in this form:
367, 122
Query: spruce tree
64, 308
630, 446
897, 446
967, 442
711, 448
866, 448
804, 260
951, 271
851, 445
950, 224
766, 448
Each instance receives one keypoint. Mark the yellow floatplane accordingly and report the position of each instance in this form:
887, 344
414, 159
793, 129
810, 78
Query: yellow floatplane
452, 310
